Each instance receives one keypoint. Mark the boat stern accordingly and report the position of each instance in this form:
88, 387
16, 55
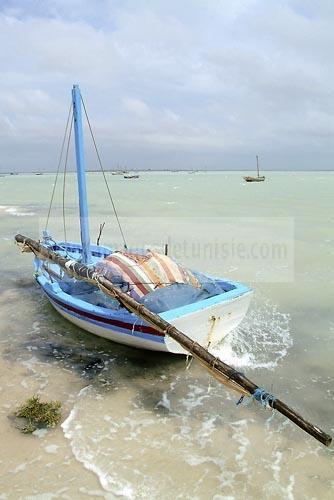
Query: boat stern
208, 322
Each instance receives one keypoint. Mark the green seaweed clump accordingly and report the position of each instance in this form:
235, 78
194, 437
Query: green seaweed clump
38, 414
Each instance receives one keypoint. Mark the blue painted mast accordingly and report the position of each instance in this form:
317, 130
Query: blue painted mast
81, 176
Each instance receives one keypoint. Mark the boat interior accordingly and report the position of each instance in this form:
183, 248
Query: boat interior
160, 300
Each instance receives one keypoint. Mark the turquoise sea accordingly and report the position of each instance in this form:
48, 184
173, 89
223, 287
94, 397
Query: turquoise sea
145, 425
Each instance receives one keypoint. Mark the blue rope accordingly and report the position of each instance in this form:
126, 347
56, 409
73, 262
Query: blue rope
262, 396
265, 398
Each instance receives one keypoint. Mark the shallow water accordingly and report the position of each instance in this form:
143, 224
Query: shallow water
146, 425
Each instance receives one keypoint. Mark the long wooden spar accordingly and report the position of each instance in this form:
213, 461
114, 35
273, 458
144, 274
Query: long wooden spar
220, 370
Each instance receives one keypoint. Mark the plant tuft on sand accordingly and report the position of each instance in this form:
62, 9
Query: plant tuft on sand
38, 414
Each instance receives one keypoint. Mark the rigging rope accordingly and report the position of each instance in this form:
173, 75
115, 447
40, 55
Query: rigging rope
58, 168
64, 177
104, 175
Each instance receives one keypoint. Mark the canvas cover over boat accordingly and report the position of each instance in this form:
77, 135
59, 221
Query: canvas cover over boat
139, 274
157, 281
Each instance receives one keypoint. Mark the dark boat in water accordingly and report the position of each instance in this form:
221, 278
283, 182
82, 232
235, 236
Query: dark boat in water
259, 178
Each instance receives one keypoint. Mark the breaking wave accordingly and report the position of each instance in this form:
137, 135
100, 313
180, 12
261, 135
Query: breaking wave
15, 211
261, 341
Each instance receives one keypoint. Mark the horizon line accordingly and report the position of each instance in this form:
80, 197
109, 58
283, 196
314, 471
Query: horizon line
121, 171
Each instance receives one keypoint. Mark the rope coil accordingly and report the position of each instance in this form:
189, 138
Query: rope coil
265, 398
262, 396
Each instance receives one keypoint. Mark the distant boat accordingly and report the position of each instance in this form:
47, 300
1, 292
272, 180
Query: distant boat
134, 176
259, 177
119, 171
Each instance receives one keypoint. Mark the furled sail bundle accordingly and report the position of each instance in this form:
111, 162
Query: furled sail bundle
140, 274
158, 281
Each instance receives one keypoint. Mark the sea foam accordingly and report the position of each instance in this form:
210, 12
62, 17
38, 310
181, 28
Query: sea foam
123, 442
15, 211
261, 341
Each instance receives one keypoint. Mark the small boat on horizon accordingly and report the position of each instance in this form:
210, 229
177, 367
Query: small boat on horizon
131, 176
259, 178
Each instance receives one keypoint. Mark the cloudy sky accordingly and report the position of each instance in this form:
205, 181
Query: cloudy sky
170, 84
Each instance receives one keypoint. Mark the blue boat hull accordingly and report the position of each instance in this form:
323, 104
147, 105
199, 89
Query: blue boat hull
207, 321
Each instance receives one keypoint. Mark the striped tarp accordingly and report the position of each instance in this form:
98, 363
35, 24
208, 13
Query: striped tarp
142, 274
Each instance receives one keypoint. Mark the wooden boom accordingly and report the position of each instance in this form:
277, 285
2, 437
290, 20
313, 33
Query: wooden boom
220, 370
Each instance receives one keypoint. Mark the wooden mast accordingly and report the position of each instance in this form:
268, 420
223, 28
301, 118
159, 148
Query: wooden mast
257, 165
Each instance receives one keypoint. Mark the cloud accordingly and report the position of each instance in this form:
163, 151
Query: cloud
221, 80
136, 106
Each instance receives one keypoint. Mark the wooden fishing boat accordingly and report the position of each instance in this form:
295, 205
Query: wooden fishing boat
259, 178
131, 176
207, 320
80, 282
